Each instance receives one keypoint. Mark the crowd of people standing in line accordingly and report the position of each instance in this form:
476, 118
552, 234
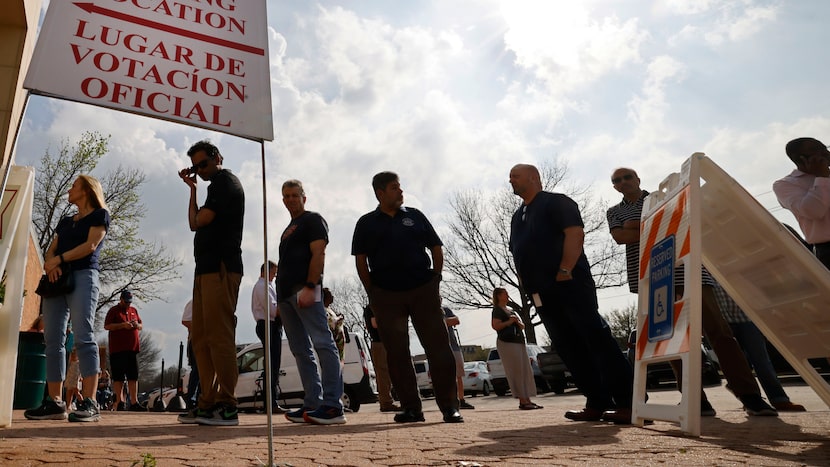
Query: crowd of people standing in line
399, 260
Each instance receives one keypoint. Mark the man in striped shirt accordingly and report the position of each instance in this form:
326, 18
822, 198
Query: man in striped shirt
624, 222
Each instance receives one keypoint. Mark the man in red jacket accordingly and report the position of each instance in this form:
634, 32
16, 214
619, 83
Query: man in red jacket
123, 324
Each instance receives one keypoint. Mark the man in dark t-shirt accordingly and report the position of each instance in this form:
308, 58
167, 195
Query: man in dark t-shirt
390, 248
299, 288
217, 248
546, 238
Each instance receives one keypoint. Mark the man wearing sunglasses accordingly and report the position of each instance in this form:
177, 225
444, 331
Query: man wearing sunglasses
624, 222
806, 193
217, 249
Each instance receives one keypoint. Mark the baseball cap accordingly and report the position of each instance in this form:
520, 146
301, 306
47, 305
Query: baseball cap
127, 296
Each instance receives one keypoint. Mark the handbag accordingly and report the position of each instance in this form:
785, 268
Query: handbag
64, 285
508, 333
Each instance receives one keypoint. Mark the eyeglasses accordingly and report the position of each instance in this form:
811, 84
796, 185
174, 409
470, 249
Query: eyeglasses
199, 165
625, 177
524, 212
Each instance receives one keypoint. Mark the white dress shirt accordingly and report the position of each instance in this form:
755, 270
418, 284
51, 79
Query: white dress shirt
258, 299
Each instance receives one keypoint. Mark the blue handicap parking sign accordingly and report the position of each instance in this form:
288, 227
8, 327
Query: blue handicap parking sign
661, 291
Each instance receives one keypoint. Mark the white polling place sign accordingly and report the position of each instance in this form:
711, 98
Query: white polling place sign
203, 64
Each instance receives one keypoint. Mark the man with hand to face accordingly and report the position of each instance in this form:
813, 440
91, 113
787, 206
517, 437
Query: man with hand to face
806, 193
217, 248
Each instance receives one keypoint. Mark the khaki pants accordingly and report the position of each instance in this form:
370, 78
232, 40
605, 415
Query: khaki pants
213, 335
382, 373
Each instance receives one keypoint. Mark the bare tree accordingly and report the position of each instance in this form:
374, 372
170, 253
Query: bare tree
477, 254
622, 322
126, 261
349, 301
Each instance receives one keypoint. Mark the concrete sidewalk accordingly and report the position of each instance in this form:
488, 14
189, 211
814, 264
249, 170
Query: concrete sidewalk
495, 433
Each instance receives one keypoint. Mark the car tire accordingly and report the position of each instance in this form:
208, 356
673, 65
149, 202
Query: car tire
485, 389
350, 400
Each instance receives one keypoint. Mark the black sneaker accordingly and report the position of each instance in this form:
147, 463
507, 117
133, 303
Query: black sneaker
49, 409
755, 405
86, 411
706, 409
463, 404
221, 415
137, 408
297, 416
121, 407
189, 417
325, 415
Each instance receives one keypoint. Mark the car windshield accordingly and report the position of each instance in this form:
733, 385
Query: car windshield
469, 365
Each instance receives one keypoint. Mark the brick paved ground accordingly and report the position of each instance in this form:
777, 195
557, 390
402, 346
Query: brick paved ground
495, 434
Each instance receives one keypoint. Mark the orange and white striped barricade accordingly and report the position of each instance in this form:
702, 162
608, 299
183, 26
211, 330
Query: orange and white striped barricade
669, 325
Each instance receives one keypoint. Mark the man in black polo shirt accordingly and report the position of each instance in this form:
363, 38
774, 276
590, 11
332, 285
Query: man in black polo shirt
546, 238
217, 248
389, 246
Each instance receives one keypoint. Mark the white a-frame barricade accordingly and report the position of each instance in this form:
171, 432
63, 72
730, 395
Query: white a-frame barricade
778, 283
15, 219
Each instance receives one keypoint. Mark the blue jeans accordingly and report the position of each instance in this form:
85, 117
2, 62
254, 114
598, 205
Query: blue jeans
304, 328
80, 306
755, 349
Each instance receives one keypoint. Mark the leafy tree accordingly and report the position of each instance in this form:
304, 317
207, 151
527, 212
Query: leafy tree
127, 260
477, 254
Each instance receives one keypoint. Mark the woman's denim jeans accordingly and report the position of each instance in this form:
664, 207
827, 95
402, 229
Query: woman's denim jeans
79, 306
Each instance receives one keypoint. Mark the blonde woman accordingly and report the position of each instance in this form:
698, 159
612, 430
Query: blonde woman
513, 351
76, 246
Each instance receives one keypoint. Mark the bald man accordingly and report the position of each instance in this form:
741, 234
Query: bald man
546, 239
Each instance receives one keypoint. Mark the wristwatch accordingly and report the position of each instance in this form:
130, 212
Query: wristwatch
310, 285
564, 271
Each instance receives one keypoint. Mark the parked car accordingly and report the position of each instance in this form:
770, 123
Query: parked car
498, 378
659, 373
359, 384
554, 371
477, 378
424, 378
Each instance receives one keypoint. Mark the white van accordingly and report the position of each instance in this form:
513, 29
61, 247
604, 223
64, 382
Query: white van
359, 381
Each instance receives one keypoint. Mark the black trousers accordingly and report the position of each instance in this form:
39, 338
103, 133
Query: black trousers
276, 351
393, 310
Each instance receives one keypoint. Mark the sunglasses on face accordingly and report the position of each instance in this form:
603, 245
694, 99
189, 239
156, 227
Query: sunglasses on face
199, 165
625, 177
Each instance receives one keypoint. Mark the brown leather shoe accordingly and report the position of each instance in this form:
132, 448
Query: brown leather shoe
788, 407
584, 415
618, 416
391, 408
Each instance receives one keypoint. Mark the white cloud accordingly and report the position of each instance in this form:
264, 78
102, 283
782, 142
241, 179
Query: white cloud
721, 21
564, 46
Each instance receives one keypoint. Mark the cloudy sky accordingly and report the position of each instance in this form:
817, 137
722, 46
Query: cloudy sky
451, 94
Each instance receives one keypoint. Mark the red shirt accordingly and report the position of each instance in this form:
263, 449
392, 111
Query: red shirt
122, 340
